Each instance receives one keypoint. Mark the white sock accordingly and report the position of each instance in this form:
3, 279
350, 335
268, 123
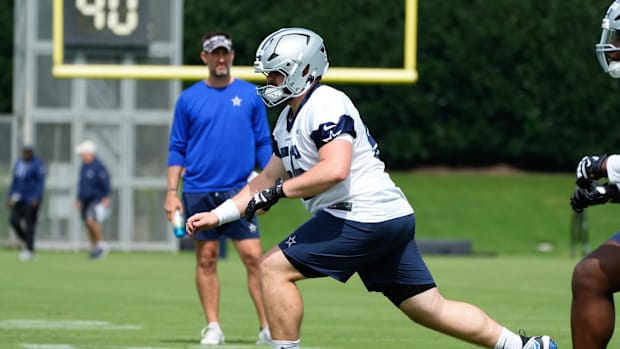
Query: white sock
285, 344
214, 325
508, 340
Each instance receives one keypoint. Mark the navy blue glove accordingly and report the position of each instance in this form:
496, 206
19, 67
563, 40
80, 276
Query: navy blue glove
264, 199
596, 194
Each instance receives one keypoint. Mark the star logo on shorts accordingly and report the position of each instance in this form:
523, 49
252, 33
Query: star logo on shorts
236, 102
291, 241
252, 227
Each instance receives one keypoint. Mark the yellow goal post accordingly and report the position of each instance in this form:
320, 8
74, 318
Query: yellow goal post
369, 75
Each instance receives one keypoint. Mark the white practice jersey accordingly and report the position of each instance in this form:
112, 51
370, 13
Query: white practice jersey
613, 168
368, 194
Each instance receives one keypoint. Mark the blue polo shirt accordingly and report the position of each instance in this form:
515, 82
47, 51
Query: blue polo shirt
219, 135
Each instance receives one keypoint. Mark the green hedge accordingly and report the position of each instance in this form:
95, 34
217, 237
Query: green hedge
500, 81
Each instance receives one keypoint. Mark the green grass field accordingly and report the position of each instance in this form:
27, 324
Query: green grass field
148, 300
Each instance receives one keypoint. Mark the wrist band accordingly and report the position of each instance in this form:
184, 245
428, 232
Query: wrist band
227, 212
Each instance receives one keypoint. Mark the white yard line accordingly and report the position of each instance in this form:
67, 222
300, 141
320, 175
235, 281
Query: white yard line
71, 346
36, 324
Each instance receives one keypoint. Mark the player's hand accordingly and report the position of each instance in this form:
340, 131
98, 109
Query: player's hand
596, 194
590, 168
201, 221
263, 200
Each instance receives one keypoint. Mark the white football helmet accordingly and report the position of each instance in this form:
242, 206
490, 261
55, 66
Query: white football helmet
610, 37
299, 54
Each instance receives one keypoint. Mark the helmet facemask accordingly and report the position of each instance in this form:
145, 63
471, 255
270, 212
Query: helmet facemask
608, 53
296, 53
608, 48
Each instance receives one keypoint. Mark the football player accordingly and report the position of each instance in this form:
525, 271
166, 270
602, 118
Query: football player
597, 276
361, 221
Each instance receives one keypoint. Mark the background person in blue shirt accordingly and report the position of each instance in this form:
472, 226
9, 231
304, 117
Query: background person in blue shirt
93, 196
219, 135
24, 198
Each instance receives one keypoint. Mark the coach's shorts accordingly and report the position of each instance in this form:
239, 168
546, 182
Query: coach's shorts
94, 210
381, 253
238, 230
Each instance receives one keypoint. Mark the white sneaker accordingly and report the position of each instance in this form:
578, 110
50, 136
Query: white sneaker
212, 335
26, 255
264, 337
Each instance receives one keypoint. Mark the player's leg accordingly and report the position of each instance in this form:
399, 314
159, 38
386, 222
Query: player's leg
207, 250
208, 287
323, 246
413, 291
403, 277
94, 231
15, 219
95, 235
207, 282
87, 213
595, 279
98, 250
30, 220
250, 252
245, 235
282, 299
457, 319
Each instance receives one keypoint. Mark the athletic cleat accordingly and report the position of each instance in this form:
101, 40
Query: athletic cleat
212, 335
26, 255
538, 342
264, 337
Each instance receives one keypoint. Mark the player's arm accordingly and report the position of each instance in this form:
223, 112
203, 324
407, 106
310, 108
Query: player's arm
333, 167
591, 168
232, 209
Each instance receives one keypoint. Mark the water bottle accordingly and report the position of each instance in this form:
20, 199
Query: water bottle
178, 224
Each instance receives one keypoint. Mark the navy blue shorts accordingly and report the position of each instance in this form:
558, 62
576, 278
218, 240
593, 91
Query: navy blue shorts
238, 230
615, 237
381, 253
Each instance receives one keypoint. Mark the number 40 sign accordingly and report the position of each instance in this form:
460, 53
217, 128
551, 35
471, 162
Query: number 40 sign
106, 23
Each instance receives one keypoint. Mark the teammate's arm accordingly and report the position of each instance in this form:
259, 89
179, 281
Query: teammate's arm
231, 209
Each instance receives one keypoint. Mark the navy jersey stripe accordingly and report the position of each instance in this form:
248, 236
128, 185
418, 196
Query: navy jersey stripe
329, 131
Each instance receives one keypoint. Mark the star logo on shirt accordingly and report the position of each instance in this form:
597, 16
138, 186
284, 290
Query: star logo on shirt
236, 102
291, 241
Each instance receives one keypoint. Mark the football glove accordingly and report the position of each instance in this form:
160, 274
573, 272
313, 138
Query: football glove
589, 168
596, 194
264, 199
